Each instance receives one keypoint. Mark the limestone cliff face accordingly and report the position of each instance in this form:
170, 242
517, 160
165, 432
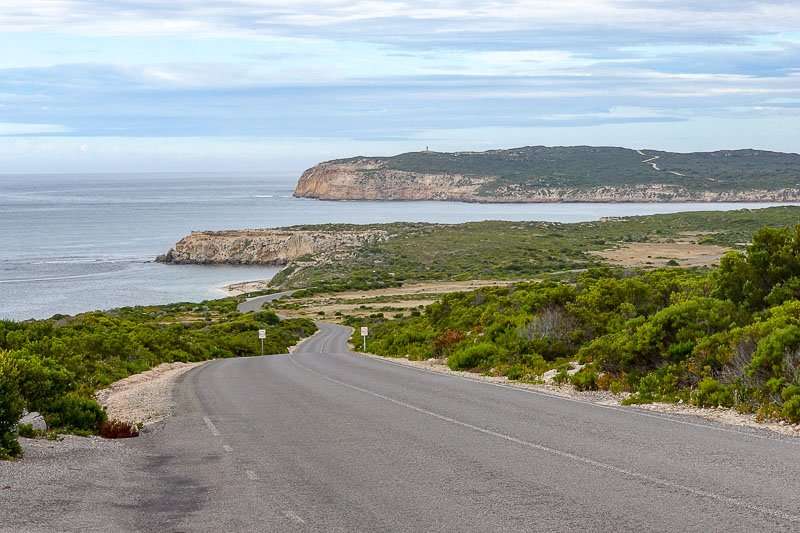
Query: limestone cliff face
264, 246
369, 179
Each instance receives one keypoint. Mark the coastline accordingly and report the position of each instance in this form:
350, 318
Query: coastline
237, 288
533, 201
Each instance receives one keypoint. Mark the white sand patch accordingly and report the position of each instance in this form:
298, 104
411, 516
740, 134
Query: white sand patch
144, 398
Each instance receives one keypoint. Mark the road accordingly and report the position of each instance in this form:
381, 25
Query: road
327, 440
256, 303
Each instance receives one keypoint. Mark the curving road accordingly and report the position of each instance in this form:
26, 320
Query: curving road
256, 303
326, 440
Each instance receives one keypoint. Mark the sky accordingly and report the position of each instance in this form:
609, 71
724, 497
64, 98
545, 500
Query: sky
278, 85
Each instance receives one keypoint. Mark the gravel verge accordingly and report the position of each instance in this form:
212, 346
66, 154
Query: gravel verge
144, 398
47, 490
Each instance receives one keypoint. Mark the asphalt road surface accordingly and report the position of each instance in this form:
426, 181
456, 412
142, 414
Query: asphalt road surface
326, 440
256, 303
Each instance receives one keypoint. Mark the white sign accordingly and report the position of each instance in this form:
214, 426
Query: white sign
364, 331
262, 334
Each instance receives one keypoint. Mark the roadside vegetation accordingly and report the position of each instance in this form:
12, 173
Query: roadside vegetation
728, 336
55, 366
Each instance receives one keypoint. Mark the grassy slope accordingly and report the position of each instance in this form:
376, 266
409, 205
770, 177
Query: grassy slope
512, 250
586, 167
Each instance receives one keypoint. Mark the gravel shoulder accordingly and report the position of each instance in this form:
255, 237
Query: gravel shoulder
60, 484
144, 398
53, 487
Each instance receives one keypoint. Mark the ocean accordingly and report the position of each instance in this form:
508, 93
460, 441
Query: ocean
74, 243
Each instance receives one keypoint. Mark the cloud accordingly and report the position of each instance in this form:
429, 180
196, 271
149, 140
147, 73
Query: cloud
392, 71
404, 20
19, 128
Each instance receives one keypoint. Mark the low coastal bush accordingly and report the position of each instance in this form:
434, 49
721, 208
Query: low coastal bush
75, 413
712, 393
585, 379
11, 406
469, 357
728, 336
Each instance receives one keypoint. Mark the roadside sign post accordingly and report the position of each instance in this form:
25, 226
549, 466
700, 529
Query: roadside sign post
364, 334
262, 334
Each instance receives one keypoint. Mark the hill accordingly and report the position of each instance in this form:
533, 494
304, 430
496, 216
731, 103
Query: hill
559, 174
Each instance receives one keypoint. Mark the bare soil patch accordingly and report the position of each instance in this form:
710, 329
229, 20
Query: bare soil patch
243, 287
658, 254
393, 300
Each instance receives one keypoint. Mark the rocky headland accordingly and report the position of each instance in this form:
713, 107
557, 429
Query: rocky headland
266, 246
559, 174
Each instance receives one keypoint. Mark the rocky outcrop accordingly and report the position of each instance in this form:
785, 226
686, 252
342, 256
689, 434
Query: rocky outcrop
265, 246
371, 179
35, 420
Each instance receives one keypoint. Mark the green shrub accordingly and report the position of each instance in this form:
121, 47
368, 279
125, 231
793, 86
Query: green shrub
42, 380
712, 393
515, 372
26, 430
562, 376
791, 403
585, 379
662, 384
472, 356
267, 317
75, 413
11, 405
791, 409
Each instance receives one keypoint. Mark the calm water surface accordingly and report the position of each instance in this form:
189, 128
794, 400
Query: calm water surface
71, 243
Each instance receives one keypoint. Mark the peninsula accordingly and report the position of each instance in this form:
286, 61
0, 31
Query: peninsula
338, 257
559, 174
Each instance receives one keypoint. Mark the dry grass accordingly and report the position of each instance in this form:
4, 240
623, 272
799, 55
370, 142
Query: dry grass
389, 301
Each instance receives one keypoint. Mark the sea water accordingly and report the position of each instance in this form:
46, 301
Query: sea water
73, 243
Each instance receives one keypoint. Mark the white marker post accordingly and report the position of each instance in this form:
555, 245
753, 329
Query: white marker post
364, 334
262, 334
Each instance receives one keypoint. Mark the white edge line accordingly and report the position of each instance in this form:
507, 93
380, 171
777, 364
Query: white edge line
715, 426
211, 426
292, 516
631, 410
775, 513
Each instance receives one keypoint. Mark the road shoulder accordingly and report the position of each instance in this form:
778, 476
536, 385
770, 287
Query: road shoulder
722, 416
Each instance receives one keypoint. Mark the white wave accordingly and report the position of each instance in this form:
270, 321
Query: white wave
57, 278
83, 260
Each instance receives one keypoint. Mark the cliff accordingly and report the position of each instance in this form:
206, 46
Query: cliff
560, 174
266, 246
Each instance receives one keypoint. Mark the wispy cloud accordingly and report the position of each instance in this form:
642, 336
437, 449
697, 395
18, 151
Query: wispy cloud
20, 128
397, 70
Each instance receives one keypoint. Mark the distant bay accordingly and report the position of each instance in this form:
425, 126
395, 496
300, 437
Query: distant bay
73, 243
